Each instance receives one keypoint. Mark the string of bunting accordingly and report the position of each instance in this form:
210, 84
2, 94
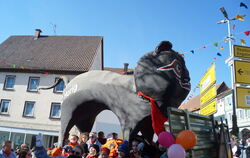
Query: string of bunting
216, 44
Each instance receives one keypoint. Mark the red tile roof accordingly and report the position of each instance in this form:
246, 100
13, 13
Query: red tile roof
55, 53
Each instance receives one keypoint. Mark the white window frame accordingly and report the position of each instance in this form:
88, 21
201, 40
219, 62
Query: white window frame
6, 80
25, 106
29, 83
1, 106
58, 91
51, 111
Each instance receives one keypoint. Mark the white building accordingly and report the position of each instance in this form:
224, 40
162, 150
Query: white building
30, 62
224, 107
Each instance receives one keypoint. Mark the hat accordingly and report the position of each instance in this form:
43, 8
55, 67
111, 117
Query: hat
93, 134
106, 149
95, 146
67, 148
124, 147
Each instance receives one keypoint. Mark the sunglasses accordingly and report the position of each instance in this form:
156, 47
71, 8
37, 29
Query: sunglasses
91, 136
76, 153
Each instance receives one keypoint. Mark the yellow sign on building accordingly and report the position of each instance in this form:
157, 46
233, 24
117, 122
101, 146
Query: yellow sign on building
243, 97
241, 51
209, 109
242, 72
208, 95
208, 79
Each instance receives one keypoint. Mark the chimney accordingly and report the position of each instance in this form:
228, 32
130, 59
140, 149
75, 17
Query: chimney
37, 33
125, 69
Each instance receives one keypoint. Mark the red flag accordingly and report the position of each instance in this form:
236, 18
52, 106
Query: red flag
247, 33
233, 26
182, 54
203, 47
214, 59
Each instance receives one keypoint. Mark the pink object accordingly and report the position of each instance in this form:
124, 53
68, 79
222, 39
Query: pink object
176, 151
166, 139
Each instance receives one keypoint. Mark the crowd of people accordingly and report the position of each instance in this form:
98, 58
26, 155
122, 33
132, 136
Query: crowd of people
88, 145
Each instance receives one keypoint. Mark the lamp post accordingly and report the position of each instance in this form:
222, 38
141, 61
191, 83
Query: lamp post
229, 61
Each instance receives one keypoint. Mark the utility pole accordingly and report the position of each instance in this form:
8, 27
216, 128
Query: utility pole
229, 61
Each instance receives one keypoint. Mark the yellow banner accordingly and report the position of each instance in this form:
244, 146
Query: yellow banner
208, 79
209, 109
241, 51
243, 97
208, 95
242, 72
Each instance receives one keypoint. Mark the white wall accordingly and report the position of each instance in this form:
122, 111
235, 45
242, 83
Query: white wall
19, 95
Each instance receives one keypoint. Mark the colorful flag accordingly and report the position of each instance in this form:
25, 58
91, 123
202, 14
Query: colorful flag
21, 67
243, 41
233, 26
214, 59
14, 65
203, 47
216, 44
4, 62
221, 48
182, 54
239, 17
247, 33
46, 73
243, 5
219, 54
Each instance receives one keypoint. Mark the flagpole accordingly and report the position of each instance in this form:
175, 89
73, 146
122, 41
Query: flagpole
229, 61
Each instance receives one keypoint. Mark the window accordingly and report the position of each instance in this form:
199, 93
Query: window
33, 84
9, 82
248, 113
60, 87
55, 111
29, 109
4, 108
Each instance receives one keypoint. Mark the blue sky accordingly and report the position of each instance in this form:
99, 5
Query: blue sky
132, 28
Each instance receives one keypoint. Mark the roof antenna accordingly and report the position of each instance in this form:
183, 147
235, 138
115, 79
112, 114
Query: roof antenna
54, 28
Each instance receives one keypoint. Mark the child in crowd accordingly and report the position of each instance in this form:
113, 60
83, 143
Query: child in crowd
93, 151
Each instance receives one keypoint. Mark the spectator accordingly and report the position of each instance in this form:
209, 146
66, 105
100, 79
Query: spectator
104, 153
93, 140
66, 150
25, 147
101, 137
123, 150
84, 138
6, 150
93, 151
77, 152
112, 144
24, 154
73, 141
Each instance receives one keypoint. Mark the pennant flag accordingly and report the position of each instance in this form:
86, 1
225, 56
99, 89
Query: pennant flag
239, 17
202, 47
214, 59
182, 54
4, 62
221, 48
14, 65
243, 5
233, 26
243, 41
247, 33
192, 51
219, 54
216, 44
